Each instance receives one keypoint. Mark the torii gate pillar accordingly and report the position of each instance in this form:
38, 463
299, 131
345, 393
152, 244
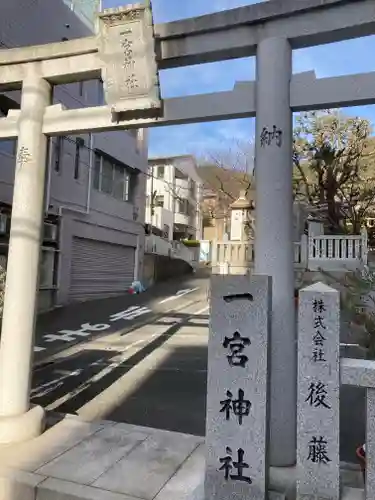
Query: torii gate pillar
274, 235
18, 421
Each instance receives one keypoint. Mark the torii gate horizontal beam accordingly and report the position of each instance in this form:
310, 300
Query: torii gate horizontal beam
305, 23
75, 68
231, 34
307, 93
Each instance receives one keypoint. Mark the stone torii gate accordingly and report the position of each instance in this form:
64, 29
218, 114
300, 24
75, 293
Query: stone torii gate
127, 53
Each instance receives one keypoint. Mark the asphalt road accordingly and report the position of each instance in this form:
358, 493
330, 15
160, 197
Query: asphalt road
149, 369
63, 327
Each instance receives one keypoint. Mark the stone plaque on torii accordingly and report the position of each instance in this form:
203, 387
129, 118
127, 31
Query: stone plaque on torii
127, 50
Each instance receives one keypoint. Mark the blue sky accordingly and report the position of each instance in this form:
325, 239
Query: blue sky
203, 139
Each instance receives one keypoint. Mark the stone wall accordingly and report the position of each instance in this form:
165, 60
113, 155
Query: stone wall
158, 268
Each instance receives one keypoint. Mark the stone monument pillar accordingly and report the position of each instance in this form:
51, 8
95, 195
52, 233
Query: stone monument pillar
318, 422
18, 421
237, 388
274, 235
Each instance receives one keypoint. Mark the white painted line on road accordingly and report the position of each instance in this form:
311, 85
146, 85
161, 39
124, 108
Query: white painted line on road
130, 313
108, 369
179, 294
342, 344
70, 335
49, 387
38, 349
110, 398
72, 350
117, 361
87, 329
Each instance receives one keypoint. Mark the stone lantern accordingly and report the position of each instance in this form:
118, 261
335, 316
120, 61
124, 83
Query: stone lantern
242, 218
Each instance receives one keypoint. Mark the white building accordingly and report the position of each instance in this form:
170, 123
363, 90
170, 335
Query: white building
173, 201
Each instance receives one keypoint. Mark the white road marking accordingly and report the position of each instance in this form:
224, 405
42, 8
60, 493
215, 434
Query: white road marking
70, 335
108, 369
127, 384
115, 362
179, 294
48, 387
130, 313
38, 349
52, 337
68, 350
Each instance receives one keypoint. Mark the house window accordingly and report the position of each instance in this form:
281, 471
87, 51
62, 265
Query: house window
182, 206
101, 98
77, 157
97, 171
160, 172
112, 178
8, 146
119, 182
58, 146
129, 186
107, 176
192, 189
166, 231
159, 201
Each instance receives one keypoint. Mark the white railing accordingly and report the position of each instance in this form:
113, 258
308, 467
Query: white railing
334, 252
241, 252
160, 246
235, 252
348, 251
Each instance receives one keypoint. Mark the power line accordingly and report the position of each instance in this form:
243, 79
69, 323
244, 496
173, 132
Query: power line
148, 174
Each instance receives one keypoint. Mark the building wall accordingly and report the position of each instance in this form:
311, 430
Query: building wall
83, 210
173, 190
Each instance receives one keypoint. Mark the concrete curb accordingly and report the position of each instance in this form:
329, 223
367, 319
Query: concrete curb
21, 485
57, 488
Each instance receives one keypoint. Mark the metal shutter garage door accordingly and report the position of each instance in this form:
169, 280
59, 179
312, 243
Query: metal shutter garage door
100, 269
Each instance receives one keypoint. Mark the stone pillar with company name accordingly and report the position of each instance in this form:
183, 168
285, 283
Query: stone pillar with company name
237, 388
318, 414
19, 421
274, 234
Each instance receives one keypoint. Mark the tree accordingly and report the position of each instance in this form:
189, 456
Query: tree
225, 172
334, 166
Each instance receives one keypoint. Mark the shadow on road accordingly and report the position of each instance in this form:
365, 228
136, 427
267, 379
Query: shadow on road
168, 388
99, 372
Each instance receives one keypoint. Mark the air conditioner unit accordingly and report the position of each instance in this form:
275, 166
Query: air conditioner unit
4, 218
50, 232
